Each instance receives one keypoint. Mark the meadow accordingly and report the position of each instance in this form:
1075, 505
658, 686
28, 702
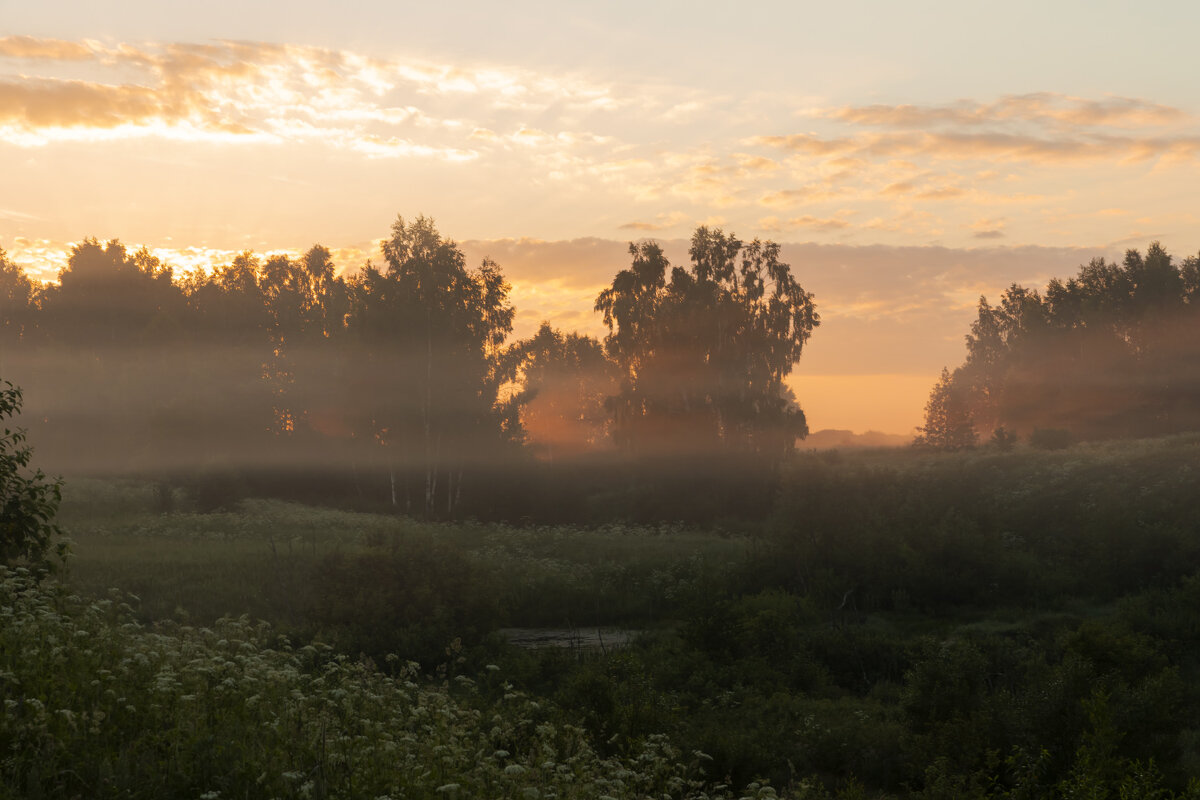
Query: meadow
897, 623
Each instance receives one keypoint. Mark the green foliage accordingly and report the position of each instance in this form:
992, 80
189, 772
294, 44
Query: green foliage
100, 706
412, 600
904, 624
28, 500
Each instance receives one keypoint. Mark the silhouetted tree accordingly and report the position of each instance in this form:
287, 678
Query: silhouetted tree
110, 332
107, 298
429, 331
1112, 351
948, 424
704, 355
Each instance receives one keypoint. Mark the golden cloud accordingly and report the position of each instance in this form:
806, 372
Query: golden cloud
29, 47
278, 93
62, 103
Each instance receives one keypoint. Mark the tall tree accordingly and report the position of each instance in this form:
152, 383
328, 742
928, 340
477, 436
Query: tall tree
704, 356
429, 329
111, 330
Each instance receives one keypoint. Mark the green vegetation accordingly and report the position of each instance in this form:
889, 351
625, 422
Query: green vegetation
987, 623
97, 705
28, 500
1013, 620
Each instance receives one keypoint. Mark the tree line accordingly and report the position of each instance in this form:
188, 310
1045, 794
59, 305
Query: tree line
1112, 352
403, 370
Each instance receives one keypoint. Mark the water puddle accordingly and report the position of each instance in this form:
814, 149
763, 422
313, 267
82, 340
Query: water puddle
578, 638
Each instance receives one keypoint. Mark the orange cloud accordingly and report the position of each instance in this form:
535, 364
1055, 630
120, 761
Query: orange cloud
30, 47
37, 103
900, 187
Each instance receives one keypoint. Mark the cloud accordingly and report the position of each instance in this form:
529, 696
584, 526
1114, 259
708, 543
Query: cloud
1038, 128
941, 193
596, 145
259, 92
807, 221
988, 228
32, 48
583, 263
814, 193
49, 103
662, 222
1039, 107
899, 187
751, 163
992, 146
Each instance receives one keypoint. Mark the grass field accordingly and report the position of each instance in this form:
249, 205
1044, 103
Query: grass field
901, 624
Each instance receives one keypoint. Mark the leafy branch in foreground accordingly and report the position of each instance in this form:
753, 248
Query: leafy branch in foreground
28, 500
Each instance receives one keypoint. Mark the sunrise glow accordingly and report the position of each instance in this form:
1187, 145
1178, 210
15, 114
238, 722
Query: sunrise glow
901, 186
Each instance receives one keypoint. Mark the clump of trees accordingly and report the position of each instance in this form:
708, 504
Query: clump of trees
1111, 352
400, 374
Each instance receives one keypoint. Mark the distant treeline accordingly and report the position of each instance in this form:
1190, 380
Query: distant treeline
1112, 352
398, 377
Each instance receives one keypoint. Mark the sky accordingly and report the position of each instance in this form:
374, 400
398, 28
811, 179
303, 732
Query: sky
909, 157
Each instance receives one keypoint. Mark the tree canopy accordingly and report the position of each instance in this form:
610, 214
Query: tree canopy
703, 356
